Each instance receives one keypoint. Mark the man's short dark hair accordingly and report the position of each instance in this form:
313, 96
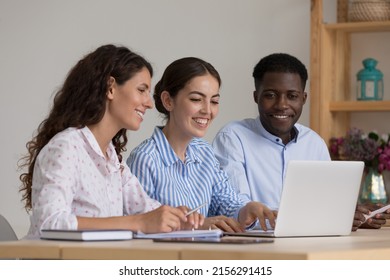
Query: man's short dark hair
282, 63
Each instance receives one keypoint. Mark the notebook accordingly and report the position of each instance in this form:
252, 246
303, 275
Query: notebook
318, 199
87, 235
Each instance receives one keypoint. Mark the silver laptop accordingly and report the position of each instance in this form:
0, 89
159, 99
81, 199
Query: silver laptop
318, 199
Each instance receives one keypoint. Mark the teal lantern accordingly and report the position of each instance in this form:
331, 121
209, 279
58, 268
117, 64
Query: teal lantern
370, 81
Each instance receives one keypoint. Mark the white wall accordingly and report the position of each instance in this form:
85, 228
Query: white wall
40, 40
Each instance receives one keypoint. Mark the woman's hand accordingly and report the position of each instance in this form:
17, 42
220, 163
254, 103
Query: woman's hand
194, 220
223, 223
163, 219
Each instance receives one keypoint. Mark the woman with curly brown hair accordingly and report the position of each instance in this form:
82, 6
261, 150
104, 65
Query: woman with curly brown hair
75, 177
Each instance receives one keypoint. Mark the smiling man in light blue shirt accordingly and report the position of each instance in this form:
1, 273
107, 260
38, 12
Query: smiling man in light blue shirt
255, 152
256, 160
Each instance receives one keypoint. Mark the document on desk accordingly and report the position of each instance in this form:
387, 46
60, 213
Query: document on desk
212, 233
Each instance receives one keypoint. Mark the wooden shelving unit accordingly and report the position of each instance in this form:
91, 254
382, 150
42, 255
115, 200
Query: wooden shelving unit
359, 106
331, 103
350, 27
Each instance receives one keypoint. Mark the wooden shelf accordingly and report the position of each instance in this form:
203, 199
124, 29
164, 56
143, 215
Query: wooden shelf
332, 104
357, 27
359, 106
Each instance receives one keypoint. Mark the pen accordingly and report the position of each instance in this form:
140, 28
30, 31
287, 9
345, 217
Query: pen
378, 211
196, 209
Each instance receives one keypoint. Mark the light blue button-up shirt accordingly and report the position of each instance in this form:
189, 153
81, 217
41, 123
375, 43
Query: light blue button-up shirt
191, 183
256, 160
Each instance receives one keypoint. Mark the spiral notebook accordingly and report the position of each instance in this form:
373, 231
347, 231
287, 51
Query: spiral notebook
318, 199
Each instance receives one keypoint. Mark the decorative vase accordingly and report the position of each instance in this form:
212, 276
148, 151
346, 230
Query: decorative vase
373, 187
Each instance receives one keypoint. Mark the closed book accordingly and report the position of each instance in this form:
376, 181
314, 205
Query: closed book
87, 234
212, 233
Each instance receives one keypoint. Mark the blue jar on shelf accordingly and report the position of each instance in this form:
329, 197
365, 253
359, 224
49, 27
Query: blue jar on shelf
369, 81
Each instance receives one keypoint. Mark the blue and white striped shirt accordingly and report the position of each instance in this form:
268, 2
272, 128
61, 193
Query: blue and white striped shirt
170, 181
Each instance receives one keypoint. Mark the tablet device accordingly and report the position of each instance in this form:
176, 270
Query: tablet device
215, 240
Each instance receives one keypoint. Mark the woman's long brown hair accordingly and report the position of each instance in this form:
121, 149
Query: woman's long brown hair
82, 101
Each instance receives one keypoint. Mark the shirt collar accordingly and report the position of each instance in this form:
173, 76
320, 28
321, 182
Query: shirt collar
274, 138
92, 142
167, 154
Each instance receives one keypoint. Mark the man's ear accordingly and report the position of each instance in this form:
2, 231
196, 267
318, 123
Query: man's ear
111, 86
256, 96
304, 97
167, 100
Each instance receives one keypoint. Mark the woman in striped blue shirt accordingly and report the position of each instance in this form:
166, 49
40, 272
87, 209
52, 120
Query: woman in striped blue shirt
175, 166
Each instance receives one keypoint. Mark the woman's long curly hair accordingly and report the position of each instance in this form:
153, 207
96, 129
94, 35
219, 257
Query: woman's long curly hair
82, 101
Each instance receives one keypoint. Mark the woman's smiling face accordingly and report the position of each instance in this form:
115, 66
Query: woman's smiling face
195, 106
129, 102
